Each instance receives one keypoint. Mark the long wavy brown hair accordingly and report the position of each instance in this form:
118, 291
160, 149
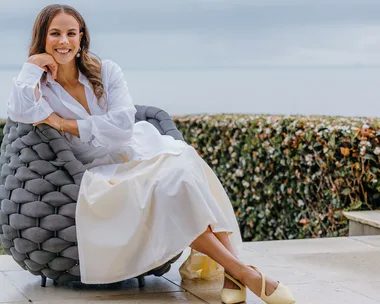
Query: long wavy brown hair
89, 66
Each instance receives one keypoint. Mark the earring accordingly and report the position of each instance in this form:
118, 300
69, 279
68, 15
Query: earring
78, 54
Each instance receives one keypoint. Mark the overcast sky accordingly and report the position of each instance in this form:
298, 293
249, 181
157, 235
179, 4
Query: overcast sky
146, 34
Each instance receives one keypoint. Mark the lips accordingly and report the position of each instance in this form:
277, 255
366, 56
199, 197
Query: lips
63, 51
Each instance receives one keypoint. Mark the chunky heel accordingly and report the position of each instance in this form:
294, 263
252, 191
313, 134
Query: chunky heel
233, 296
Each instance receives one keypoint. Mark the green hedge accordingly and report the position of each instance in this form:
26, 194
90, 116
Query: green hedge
290, 177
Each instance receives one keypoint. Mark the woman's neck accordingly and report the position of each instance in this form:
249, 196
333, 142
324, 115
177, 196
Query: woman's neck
67, 74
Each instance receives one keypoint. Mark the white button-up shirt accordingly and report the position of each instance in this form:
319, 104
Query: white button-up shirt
103, 135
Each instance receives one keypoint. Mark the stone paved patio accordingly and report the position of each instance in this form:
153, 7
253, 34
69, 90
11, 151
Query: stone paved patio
319, 271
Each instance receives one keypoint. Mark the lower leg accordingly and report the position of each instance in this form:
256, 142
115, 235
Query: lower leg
208, 244
223, 238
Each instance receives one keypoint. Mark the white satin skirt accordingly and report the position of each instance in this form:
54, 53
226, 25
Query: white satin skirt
154, 210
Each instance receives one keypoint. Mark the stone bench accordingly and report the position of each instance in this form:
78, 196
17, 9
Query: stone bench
363, 222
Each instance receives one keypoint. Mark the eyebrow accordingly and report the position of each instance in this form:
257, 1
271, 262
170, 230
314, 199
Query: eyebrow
54, 29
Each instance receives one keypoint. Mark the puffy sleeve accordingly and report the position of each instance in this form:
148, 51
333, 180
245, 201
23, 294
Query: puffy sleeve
115, 127
22, 104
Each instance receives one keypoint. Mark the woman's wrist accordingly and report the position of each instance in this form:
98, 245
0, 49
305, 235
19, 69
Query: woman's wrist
36, 60
62, 126
55, 121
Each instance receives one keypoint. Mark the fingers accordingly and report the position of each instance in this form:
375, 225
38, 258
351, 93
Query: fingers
39, 123
51, 64
53, 70
46, 62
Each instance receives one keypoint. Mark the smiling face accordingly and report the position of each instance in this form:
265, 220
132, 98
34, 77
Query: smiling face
63, 38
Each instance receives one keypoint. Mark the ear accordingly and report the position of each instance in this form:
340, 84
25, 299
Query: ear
80, 35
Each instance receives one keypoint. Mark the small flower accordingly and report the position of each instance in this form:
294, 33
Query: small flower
309, 158
300, 203
239, 172
245, 184
363, 150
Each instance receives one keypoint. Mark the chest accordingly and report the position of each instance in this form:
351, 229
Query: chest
78, 93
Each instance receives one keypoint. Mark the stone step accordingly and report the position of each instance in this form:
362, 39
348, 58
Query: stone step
363, 222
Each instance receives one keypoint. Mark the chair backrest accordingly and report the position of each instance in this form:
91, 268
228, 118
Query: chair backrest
160, 119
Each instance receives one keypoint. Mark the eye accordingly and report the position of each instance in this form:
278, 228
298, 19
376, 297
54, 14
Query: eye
54, 34
72, 34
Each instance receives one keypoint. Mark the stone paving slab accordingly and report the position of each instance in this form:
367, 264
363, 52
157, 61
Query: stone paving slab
333, 270
29, 286
8, 264
142, 298
371, 218
8, 292
371, 240
313, 246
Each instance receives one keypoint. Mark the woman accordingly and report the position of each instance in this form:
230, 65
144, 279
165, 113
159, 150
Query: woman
145, 197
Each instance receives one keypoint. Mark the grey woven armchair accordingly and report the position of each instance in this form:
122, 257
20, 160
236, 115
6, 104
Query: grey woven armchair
39, 186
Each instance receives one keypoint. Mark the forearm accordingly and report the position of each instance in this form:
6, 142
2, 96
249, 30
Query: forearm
61, 124
25, 103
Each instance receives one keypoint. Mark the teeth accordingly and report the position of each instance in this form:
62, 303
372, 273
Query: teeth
63, 51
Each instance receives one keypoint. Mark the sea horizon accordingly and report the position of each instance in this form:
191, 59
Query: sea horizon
350, 91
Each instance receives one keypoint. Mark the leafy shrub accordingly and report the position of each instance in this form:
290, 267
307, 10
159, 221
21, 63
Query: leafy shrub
290, 176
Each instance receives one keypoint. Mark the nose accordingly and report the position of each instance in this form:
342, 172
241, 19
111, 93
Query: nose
63, 38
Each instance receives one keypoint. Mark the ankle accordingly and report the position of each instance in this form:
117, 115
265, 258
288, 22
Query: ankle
247, 275
239, 273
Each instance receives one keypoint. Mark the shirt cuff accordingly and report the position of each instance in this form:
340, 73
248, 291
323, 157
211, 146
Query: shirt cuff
30, 74
45, 107
84, 129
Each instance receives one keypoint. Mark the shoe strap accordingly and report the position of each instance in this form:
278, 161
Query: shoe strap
263, 294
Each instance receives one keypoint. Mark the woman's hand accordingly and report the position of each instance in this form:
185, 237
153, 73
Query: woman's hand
53, 120
46, 62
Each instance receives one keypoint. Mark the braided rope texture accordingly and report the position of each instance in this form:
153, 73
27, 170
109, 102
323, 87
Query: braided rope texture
39, 185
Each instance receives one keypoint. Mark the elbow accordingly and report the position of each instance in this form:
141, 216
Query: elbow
13, 116
128, 117
123, 118
113, 141
115, 131
14, 112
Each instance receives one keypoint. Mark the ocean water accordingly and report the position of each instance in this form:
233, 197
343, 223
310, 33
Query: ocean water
340, 91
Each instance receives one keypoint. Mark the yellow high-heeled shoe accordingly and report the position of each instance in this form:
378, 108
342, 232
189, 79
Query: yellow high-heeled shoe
233, 296
282, 294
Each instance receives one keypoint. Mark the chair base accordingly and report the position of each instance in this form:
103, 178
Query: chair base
141, 282
43, 281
